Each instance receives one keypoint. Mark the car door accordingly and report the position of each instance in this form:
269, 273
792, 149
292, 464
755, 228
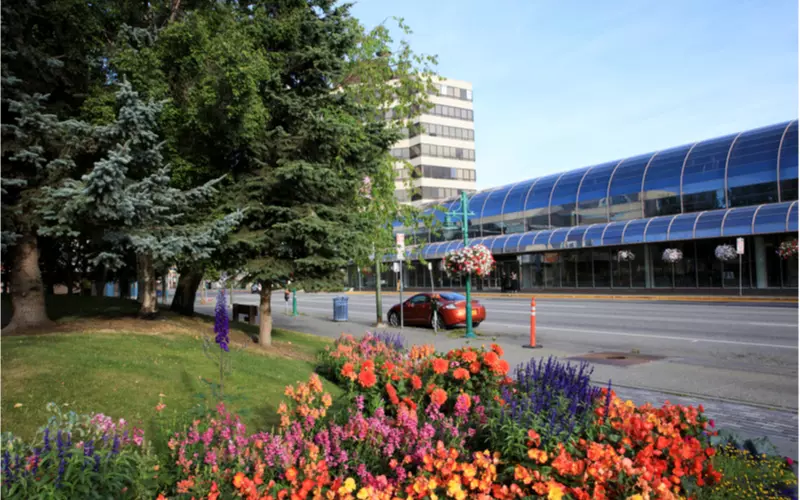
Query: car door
416, 310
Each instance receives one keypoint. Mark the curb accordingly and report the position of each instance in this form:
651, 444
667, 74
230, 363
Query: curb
656, 298
695, 396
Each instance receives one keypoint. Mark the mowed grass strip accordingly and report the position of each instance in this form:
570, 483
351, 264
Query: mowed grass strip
119, 366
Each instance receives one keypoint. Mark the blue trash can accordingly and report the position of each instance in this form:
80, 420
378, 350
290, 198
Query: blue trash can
340, 308
109, 290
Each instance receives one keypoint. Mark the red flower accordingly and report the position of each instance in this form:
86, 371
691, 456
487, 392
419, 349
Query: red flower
416, 382
460, 374
501, 367
469, 356
367, 378
490, 358
392, 394
440, 366
439, 396
475, 367
348, 371
368, 365
497, 349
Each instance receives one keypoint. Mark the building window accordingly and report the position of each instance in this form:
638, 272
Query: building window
454, 92
442, 152
435, 130
434, 172
451, 112
401, 153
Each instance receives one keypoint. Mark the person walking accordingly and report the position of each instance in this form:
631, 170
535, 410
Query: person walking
286, 296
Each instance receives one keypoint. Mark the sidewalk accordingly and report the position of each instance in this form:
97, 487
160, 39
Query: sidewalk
748, 421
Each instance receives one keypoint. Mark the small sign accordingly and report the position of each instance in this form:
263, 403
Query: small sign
740, 246
430, 266
396, 267
400, 238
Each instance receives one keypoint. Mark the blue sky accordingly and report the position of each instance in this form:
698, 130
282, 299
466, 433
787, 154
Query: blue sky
560, 85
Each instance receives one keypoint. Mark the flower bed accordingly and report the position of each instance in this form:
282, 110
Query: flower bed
417, 424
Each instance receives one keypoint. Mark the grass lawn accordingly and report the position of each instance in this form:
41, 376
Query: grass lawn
118, 365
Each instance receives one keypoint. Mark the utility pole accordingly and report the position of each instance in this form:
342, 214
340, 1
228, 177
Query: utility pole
378, 305
463, 213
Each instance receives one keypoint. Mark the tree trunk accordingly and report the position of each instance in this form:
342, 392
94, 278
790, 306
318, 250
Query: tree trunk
27, 290
147, 276
186, 291
139, 280
124, 286
265, 315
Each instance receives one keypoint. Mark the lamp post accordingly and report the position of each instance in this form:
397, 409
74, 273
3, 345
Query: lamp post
463, 213
378, 306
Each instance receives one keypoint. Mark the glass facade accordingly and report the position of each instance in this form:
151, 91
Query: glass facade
566, 230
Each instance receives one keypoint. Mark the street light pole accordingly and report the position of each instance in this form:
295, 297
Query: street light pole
378, 305
464, 214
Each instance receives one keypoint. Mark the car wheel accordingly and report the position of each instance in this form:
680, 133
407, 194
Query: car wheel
394, 319
476, 325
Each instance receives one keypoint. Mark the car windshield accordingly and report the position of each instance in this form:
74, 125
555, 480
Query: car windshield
452, 297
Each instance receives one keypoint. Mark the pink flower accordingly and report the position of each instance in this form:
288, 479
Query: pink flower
160, 406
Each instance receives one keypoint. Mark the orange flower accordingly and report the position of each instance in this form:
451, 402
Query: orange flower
238, 479
411, 404
291, 474
469, 356
392, 394
439, 396
440, 366
461, 374
367, 378
348, 371
368, 365
497, 349
416, 382
501, 367
475, 367
490, 358
465, 400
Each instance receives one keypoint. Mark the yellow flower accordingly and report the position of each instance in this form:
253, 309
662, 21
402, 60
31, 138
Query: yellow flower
348, 487
18, 405
635, 497
555, 492
364, 493
432, 484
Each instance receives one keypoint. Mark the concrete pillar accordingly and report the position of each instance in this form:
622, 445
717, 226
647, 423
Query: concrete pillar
760, 259
648, 268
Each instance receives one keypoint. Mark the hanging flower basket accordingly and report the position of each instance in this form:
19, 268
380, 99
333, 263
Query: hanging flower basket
625, 256
788, 249
725, 253
475, 260
672, 255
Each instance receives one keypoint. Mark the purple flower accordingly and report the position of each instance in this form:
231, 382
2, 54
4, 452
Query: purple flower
221, 325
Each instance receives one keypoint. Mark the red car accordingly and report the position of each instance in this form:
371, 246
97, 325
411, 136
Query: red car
418, 310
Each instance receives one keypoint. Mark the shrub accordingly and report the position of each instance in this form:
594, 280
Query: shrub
747, 476
78, 456
553, 398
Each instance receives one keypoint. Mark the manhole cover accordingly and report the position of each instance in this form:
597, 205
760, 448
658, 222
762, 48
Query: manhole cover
616, 358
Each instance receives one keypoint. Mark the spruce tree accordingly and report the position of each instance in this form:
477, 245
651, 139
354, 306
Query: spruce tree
127, 199
308, 215
37, 151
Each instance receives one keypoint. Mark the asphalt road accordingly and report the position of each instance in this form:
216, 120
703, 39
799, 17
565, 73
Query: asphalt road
741, 352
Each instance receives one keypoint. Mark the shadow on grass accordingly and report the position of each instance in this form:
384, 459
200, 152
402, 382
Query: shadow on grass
66, 307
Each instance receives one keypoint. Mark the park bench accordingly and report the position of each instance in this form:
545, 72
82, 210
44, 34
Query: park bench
248, 310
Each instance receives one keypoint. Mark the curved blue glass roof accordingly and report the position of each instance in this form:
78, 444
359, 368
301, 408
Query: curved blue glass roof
739, 221
755, 167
